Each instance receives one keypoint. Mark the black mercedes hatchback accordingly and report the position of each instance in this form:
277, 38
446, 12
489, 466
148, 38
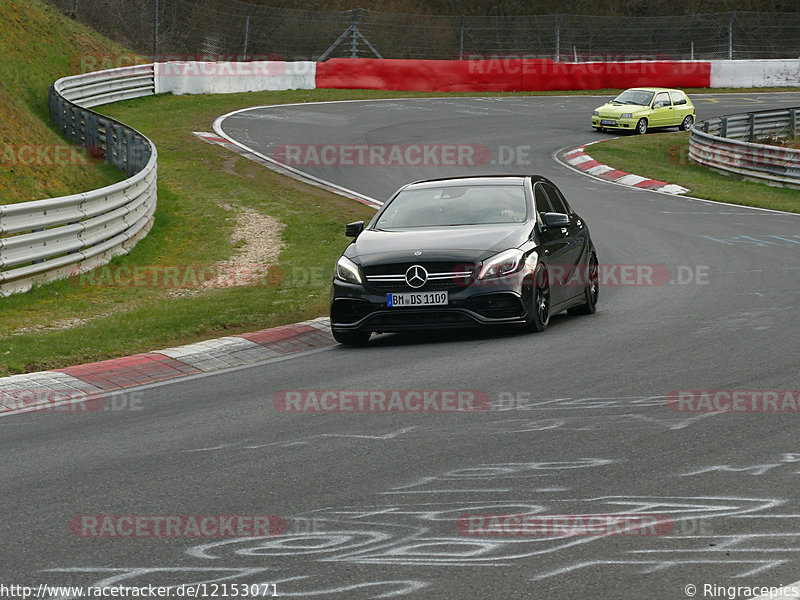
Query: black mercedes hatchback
464, 252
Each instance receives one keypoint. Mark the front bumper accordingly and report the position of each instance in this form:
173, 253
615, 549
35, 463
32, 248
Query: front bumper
623, 124
357, 308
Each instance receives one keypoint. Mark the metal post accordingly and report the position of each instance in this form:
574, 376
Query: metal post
461, 41
354, 34
691, 55
155, 29
793, 121
752, 124
730, 36
558, 38
247, 29
723, 130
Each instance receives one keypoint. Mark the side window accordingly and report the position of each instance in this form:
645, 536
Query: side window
542, 201
556, 199
678, 98
662, 99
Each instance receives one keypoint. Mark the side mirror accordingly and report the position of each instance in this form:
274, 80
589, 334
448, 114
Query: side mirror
354, 229
555, 220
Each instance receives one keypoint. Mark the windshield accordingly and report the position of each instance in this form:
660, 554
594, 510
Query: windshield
640, 97
450, 206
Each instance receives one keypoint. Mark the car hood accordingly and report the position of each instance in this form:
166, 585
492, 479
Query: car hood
615, 110
467, 243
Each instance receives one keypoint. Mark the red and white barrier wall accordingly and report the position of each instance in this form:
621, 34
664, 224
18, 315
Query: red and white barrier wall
511, 74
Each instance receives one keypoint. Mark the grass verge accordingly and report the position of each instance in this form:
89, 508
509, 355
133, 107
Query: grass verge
665, 157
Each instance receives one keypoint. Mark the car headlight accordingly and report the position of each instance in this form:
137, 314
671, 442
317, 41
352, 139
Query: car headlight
347, 270
596, 113
505, 263
626, 116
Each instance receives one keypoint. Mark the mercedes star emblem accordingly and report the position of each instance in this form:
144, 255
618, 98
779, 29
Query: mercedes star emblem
416, 276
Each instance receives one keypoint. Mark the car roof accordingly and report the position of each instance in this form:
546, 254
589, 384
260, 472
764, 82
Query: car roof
655, 89
474, 180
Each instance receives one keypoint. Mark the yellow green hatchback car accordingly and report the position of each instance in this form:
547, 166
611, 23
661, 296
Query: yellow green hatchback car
640, 109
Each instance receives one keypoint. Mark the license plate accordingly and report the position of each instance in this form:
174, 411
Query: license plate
416, 299
607, 122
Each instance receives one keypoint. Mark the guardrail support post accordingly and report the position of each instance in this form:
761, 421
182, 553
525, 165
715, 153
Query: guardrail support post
723, 130
793, 122
751, 123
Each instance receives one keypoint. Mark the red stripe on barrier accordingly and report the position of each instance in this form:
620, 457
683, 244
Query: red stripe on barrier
506, 74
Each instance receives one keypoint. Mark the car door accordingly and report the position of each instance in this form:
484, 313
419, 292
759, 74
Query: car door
575, 239
681, 106
663, 113
554, 244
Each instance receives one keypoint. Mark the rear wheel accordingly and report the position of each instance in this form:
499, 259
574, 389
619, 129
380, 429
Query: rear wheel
641, 126
590, 291
539, 311
687, 123
351, 338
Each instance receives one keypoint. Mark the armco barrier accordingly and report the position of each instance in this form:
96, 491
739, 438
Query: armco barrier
47, 239
512, 74
724, 143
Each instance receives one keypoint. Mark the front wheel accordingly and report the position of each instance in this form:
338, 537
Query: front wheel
687, 123
641, 126
351, 338
590, 291
539, 310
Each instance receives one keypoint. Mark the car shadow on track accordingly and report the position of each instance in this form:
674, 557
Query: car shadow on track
447, 336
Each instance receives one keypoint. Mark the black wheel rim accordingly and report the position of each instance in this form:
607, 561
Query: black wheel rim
542, 299
594, 281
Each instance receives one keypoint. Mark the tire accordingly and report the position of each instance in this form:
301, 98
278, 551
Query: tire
687, 123
590, 291
641, 126
351, 338
540, 302
597, 128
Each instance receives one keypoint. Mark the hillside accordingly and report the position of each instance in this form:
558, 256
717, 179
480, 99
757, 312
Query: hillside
39, 45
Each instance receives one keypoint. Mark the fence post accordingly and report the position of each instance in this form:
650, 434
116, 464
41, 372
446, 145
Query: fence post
558, 38
461, 41
751, 122
247, 30
730, 36
793, 122
155, 29
723, 129
354, 34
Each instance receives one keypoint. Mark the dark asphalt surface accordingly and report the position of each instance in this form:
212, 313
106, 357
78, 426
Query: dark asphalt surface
371, 499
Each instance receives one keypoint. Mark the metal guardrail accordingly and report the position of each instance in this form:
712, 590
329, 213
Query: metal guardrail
726, 144
49, 239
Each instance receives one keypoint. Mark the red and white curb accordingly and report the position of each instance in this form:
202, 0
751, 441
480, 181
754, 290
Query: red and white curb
580, 160
26, 392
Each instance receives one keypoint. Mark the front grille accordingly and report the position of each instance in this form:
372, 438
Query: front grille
441, 276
